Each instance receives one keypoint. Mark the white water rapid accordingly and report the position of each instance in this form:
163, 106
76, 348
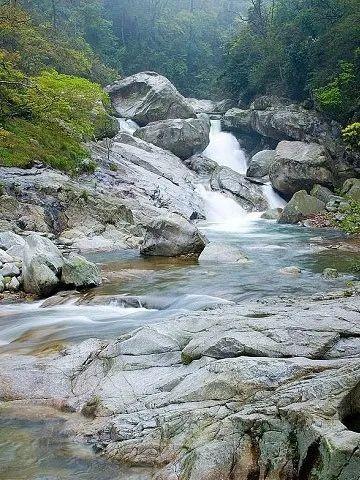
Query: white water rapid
225, 149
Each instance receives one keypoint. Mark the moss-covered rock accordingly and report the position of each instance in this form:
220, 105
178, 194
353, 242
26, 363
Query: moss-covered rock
80, 273
301, 207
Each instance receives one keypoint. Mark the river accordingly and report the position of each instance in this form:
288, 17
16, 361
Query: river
32, 444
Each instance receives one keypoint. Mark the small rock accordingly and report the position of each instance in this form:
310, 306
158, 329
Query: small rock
293, 270
5, 257
10, 270
330, 273
272, 214
16, 251
14, 285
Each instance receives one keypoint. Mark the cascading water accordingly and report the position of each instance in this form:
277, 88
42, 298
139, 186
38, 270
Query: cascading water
225, 149
127, 126
274, 200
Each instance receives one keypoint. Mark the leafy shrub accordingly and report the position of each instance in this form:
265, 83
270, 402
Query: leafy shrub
351, 135
351, 222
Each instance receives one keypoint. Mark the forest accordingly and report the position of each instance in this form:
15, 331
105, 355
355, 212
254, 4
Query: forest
307, 50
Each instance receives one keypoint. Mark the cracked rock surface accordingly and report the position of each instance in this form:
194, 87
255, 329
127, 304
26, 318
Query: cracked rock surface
262, 390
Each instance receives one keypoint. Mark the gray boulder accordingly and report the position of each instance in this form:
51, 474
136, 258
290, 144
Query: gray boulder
238, 120
10, 270
351, 189
184, 138
210, 106
201, 165
80, 273
222, 253
148, 97
10, 239
278, 119
172, 236
298, 166
260, 164
41, 266
301, 207
248, 194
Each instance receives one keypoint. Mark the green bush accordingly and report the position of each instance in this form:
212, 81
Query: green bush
351, 135
351, 222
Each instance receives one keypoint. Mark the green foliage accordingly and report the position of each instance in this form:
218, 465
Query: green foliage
351, 223
304, 49
351, 135
46, 118
339, 97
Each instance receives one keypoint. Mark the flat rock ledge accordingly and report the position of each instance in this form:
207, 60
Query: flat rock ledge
262, 390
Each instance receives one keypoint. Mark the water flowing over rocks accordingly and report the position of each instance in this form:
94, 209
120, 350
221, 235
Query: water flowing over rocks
259, 390
184, 138
248, 194
148, 97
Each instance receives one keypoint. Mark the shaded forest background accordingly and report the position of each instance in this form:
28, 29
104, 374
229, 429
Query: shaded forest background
55, 53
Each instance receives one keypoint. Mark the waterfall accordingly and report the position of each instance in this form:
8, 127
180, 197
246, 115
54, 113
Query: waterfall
274, 200
225, 149
127, 126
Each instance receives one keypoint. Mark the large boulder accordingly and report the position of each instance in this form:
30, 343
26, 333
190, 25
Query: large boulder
80, 273
260, 164
280, 119
301, 207
351, 189
299, 166
238, 120
248, 194
172, 236
184, 138
148, 97
42, 264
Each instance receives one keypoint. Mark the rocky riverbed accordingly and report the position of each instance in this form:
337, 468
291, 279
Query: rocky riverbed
185, 337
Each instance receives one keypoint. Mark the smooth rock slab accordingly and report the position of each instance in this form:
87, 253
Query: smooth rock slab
257, 390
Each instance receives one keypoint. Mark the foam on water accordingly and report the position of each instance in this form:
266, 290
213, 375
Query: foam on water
225, 149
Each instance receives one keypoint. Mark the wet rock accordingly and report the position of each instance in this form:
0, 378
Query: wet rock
148, 97
330, 273
272, 214
172, 236
80, 273
41, 266
248, 194
301, 207
265, 387
222, 253
260, 163
299, 166
184, 138
293, 271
